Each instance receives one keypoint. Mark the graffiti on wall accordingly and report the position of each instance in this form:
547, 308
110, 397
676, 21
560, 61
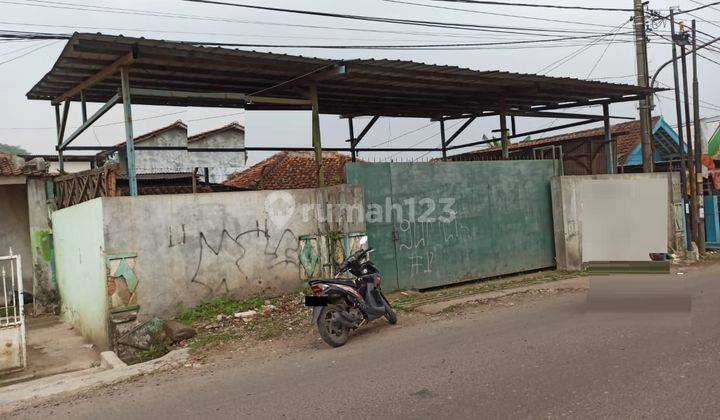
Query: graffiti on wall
230, 256
417, 240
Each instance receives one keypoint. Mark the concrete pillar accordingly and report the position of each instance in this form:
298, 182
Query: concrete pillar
44, 290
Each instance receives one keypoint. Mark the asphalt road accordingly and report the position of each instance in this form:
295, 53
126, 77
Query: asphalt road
537, 358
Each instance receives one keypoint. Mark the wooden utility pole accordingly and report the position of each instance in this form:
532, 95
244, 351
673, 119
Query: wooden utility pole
678, 112
700, 225
316, 142
688, 135
642, 80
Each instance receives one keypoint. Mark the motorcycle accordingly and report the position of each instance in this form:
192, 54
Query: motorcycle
340, 306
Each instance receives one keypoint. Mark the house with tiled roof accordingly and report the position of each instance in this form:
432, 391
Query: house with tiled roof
215, 166
583, 152
291, 170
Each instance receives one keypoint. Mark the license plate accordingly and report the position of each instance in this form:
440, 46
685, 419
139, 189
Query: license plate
316, 300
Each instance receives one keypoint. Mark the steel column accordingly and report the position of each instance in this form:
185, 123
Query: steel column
57, 133
442, 139
129, 138
352, 138
504, 136
83, 106
316, 140
61, 133
608, 140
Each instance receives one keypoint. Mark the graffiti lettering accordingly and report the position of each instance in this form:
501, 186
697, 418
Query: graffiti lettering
280, 252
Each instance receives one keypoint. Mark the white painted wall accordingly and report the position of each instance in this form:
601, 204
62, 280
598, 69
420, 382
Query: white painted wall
620, 217
623, 219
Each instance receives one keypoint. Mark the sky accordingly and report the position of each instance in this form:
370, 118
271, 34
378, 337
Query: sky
31, 124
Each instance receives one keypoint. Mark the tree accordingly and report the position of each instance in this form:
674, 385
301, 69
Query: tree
15, 150
495, 143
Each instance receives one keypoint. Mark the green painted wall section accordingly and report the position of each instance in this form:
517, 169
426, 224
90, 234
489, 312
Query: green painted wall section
41, 239
79, 250
503, 219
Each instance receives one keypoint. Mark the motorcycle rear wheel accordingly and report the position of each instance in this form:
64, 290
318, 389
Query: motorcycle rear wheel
331, 331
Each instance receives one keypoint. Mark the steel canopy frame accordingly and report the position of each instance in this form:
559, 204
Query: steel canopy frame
109, 69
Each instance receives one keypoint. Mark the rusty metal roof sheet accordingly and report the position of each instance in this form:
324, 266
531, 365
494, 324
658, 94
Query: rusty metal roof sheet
367, 87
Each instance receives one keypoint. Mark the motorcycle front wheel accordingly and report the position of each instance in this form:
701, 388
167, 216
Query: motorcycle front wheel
389, 311
331, 330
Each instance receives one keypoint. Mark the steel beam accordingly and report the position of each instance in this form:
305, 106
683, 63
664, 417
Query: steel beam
459, 131
257, 149
323, 73
124, 60
231, 96
90, 121
129, 138
525, 134
365, 130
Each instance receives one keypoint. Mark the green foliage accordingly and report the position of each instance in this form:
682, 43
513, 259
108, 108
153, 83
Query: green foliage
15, 150
208, 311
155, 351
496, 143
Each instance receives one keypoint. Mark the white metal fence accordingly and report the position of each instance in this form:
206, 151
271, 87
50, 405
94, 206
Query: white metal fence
12, 318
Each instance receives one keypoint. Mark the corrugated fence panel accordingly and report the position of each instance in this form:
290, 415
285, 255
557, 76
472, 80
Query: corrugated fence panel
457, 221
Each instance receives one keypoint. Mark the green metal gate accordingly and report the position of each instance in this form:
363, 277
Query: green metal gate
439, 223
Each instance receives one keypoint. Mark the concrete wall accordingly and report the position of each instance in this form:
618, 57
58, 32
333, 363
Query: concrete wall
160, 161
177, 161
46, 297
184, 249
15, 228
620, 217
79, 255
220, 164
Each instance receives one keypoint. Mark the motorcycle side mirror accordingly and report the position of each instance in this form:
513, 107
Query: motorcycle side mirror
363, 240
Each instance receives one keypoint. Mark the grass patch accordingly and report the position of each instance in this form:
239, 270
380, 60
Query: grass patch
155, 351
208, 311
711, 256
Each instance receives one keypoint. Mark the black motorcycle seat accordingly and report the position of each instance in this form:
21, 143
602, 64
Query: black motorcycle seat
334, 281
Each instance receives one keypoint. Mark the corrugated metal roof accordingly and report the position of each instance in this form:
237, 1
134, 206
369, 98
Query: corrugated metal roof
369, 87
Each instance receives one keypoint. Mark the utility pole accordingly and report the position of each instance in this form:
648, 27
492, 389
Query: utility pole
688, 134
678, 109
642, 78
700, 227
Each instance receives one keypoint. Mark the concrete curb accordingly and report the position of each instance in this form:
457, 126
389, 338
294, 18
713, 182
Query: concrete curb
567, 284
11, 397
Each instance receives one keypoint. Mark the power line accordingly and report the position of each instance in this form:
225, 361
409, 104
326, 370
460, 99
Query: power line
463, 26
499, 14
703, 6
145, 30
116, 10
27, 53
554, 65
535, 5
468, 45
